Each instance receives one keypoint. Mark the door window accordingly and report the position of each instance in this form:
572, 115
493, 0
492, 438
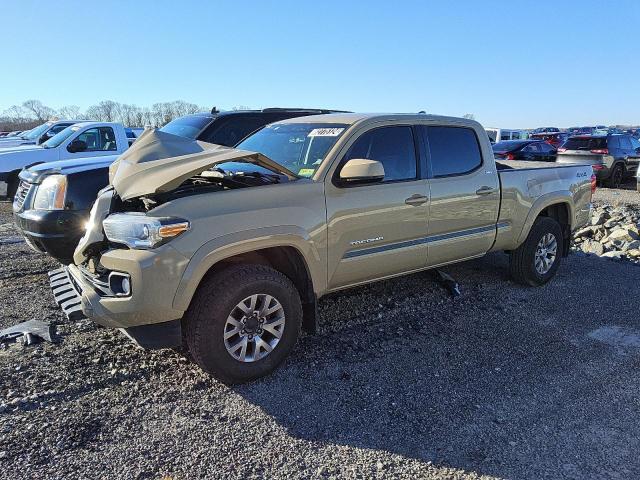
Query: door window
99, 139
391, 146
532, 148
453, 150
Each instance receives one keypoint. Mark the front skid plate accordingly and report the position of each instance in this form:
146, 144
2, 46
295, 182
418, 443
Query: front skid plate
66, 293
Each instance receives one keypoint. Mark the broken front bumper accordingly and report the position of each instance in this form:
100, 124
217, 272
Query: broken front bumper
78, 293
66, 293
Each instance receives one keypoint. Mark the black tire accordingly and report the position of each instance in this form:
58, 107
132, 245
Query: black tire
522, 262
617, 175
215, 300
12, 188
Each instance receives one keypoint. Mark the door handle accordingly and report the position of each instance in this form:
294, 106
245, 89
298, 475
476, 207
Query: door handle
416, 200
485, 190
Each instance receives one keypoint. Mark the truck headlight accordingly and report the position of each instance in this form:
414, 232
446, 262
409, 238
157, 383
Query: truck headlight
51, 193
137, 230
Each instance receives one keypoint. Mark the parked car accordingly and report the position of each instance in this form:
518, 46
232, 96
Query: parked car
55, 229
501, 134
613, 157
81, 140
536, 150
36, 136
546, 130
233, 246
553, 139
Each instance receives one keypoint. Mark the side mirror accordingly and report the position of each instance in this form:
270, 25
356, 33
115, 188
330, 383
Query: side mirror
77, 146
45, 136
359, 170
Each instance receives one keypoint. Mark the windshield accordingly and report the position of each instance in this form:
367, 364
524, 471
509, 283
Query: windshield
300, 147
36, 132
60, 137
188, 127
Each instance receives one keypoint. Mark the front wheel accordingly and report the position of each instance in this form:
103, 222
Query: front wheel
536, 261
12, 188
243, 322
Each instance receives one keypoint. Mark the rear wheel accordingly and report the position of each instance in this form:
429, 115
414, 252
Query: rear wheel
617, 174
243, 322
536, 261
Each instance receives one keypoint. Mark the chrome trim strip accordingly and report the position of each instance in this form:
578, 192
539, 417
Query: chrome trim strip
423, 240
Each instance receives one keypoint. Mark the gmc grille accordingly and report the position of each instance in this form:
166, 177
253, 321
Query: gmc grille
21, 195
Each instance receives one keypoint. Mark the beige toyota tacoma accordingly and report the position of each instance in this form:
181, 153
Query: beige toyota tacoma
229, 249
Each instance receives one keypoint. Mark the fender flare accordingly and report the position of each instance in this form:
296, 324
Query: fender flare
554, 198
226, 246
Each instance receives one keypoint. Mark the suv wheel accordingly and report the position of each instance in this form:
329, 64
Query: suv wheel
12, 188
536, 261
615, 180
243, 322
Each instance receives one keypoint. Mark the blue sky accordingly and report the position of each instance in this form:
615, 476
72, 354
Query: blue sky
511, 64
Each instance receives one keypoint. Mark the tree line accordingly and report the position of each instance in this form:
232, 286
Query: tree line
33, 112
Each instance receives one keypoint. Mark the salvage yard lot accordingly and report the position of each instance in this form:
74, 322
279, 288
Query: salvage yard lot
401, 381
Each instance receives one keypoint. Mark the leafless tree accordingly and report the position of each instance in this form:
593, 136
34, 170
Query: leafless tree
71, 112
40, 111
34, 112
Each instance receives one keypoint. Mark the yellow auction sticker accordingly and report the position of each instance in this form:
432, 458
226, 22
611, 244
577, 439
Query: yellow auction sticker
306, 172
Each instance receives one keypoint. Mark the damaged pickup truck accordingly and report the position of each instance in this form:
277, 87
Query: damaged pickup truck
229, 249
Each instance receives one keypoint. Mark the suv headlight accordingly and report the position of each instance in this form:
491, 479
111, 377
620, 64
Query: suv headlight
51, 193
137, 230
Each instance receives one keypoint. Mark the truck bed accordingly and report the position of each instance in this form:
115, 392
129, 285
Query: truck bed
526, 187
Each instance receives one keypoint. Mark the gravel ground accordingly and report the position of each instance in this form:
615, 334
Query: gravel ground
402, 381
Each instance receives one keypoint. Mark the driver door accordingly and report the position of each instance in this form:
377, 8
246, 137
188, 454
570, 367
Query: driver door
377, 230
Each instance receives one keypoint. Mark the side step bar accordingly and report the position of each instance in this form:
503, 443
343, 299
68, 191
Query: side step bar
65, 293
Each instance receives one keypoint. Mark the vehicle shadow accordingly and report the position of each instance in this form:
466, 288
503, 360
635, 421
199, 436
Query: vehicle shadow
500, 381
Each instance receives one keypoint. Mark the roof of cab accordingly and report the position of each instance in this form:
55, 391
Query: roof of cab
353, 118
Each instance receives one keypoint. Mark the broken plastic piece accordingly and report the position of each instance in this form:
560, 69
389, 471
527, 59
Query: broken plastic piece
29, 332
448, 282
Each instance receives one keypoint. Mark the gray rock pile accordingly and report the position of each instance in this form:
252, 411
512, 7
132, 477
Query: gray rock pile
614, 233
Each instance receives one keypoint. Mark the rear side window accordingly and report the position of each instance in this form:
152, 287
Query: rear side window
625, 143
229, 131
452, 150
391, 146
586, 143
614, 143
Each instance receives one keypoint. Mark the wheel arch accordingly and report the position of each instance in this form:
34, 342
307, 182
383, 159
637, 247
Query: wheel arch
556, 206
295, 257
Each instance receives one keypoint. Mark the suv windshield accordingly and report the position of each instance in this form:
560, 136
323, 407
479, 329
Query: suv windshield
300, 147
36, 132
188, 127
60, 137
585, 143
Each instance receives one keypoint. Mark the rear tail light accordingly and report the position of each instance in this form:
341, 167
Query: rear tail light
593, 183
510, 156
603, 151
597, 167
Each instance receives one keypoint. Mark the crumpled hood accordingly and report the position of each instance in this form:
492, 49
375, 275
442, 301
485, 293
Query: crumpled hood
160, 162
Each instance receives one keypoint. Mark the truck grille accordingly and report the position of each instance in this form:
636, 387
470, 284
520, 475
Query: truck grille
21, 195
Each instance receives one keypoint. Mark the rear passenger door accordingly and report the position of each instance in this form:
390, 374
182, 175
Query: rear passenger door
378, 230
464, 193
